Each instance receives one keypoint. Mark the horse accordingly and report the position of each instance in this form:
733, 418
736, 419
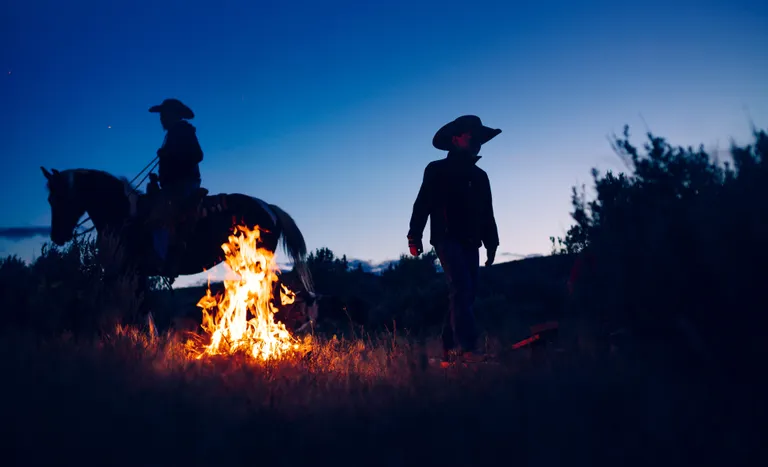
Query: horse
117, 208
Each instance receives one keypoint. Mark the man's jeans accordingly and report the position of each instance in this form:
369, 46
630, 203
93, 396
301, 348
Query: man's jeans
161, 236
461, 265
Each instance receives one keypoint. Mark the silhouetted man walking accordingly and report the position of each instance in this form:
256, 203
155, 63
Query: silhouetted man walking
456, 195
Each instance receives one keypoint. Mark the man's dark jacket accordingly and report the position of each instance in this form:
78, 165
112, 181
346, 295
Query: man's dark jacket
456, 195
179, 155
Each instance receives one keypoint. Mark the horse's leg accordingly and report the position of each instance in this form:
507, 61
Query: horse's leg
144, 312
142, 295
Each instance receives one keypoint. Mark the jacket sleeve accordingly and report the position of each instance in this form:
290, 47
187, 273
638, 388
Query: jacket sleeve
422, 206
489, 230
181, 144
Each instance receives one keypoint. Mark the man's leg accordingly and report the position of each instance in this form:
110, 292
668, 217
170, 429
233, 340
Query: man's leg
458, 273
447, 262
465, 325
449, 343
472, 260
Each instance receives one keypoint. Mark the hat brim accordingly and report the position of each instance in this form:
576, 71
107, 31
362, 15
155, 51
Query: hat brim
443, 139
182, 111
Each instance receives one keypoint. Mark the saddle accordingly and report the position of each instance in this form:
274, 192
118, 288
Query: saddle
190, 207
164, 210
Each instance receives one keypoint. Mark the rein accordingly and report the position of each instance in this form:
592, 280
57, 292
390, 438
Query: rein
86, 231
151, 166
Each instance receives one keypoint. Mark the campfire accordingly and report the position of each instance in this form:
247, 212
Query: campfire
241, 320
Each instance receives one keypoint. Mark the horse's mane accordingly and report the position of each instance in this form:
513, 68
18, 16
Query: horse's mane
127, 186
124, 180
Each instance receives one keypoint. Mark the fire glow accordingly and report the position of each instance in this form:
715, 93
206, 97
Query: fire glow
241, 320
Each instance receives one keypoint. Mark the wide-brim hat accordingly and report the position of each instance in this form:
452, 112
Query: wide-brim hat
481, 134
173, 106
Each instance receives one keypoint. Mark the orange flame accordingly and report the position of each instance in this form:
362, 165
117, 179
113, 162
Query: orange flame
242, 319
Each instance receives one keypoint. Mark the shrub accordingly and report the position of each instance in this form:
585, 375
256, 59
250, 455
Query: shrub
676, 245
80, 287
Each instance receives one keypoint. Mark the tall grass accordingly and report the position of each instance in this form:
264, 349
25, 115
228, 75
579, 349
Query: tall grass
126, 399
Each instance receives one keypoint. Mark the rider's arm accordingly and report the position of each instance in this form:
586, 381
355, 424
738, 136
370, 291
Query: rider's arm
182, 144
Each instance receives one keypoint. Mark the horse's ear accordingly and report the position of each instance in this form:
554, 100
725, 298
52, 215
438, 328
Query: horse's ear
55, 172
47, 174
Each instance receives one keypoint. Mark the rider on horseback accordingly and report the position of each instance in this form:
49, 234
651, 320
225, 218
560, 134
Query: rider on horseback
178, 173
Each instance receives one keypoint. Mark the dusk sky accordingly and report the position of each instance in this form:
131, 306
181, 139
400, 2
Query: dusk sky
328, 109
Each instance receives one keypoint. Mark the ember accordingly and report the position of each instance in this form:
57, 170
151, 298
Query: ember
242, 318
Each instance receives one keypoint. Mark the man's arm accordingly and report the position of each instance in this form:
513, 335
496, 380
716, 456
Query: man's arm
421, 207
490, 232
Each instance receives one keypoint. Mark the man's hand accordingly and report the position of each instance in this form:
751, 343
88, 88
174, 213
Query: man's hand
491, 254
415, 246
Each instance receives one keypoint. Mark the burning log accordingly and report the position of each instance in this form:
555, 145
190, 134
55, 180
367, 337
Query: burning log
540, 333
185, 324
300, 315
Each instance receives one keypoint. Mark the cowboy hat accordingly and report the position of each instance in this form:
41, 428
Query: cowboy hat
481, 134
173, 106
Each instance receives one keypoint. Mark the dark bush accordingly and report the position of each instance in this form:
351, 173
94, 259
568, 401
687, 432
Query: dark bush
676, 247
64, 289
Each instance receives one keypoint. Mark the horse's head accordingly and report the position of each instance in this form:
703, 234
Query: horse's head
66, 206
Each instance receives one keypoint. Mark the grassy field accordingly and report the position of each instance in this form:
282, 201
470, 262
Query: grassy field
376, 399
672, 254
124, 400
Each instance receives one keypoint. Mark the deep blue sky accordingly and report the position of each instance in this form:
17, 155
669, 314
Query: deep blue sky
328, 108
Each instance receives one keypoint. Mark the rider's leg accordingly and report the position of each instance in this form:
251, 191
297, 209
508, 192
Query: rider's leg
161, 228
160, 239
180, 194
187, 189
193, 186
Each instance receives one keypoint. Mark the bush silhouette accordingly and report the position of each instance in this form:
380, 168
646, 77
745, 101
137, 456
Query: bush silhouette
78, 288
406, 294
676, 245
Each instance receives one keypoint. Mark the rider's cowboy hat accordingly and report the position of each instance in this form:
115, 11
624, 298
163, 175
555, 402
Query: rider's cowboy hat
481, 134
173, 106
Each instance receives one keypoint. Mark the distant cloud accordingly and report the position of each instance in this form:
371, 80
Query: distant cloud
518, 255
378, 268
371, 267
222, 272
20, 233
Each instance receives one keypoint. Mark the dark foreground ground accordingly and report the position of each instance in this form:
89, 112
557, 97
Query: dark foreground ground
125, 401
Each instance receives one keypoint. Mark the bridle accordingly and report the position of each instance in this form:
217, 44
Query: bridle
151, 166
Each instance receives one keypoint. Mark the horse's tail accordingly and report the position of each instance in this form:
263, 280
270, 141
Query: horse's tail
295, 247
